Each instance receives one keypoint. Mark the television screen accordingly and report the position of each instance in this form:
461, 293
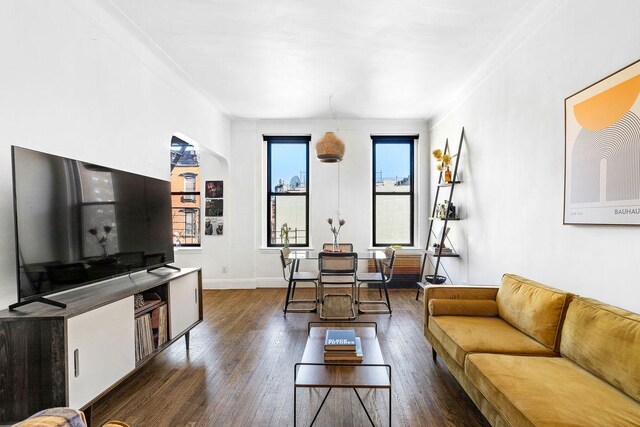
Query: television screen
78, 223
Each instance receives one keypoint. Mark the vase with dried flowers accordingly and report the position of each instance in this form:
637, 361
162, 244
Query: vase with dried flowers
284, 234
336, 231
443, 163
102, 240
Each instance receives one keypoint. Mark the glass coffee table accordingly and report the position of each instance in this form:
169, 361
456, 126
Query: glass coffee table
314, 372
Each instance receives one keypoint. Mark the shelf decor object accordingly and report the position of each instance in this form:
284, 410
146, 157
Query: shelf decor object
443, 163
436, 241
602, 151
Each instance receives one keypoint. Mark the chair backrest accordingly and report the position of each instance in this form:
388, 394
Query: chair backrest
390, 260
344, 247
284, 259
338, 263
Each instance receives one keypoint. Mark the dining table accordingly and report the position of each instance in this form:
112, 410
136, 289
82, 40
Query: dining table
378, 256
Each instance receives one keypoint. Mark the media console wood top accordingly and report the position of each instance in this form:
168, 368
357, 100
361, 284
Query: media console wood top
90, 297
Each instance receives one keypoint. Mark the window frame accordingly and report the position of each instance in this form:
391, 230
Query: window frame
188, 197
189, 213
276, 139
409, 140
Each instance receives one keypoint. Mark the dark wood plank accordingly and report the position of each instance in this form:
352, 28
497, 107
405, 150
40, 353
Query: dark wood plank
239, 372
32, 367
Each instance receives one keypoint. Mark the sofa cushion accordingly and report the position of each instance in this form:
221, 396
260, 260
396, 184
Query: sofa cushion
461, 335
605, 340
549, 391
533, 308
463, 307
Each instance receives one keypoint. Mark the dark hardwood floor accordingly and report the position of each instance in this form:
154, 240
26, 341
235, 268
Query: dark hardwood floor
239, 372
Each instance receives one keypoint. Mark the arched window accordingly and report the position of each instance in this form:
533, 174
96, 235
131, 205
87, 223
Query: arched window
185, 193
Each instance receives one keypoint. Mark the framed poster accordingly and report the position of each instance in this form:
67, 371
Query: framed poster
213, 189
213, 226
213, 207
602, 151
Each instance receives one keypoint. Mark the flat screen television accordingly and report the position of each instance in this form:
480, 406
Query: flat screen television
79, 223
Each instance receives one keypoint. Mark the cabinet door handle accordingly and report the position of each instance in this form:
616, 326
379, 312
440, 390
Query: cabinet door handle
196, 295
76, 363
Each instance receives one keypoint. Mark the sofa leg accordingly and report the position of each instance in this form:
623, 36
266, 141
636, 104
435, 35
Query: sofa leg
434, 355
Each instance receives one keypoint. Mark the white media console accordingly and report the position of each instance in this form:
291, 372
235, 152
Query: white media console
71, 357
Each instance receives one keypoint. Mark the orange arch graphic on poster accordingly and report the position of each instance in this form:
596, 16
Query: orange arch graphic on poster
606, 108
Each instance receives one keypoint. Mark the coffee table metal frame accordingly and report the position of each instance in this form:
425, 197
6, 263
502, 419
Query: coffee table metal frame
344, 379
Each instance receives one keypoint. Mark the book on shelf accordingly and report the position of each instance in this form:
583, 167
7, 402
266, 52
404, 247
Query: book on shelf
163, 336
340, 340
345, 356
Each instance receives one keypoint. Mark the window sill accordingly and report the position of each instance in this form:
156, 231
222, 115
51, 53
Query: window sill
188, 250
402, 248
277, 249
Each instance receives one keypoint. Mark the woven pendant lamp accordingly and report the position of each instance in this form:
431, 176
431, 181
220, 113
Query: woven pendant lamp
330, 148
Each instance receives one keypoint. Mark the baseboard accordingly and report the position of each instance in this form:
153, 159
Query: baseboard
271, 282
275, 282
260, 282
228, 283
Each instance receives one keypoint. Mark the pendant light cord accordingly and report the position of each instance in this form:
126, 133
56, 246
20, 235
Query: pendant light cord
337, 126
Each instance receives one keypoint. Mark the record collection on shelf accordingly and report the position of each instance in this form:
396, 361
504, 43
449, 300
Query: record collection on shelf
151, 324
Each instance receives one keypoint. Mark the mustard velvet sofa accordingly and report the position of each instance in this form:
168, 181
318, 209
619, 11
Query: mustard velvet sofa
531, 355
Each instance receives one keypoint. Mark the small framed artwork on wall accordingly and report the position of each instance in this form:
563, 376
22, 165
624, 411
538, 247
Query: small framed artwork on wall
213, 189
213, 226
602, 151
213, 207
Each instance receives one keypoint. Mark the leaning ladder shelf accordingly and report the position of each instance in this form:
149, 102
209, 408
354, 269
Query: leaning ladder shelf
431, 256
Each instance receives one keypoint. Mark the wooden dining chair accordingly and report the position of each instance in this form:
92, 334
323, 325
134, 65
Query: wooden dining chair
382, 278
293, 277
337, 269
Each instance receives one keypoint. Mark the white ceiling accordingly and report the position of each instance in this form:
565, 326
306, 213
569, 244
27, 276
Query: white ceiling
286, 58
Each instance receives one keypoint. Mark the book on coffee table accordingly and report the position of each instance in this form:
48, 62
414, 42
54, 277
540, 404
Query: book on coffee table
345, 356
340, 340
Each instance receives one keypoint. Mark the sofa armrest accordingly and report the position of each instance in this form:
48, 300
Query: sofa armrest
456, 292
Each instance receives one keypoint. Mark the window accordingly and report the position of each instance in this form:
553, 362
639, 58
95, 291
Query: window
185, 193
189, 187
189, 222
287, 189
393, 184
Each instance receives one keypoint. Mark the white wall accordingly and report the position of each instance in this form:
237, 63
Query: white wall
78, 80
513, 190
347, 183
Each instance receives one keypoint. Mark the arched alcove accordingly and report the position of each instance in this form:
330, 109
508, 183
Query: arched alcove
213, 253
